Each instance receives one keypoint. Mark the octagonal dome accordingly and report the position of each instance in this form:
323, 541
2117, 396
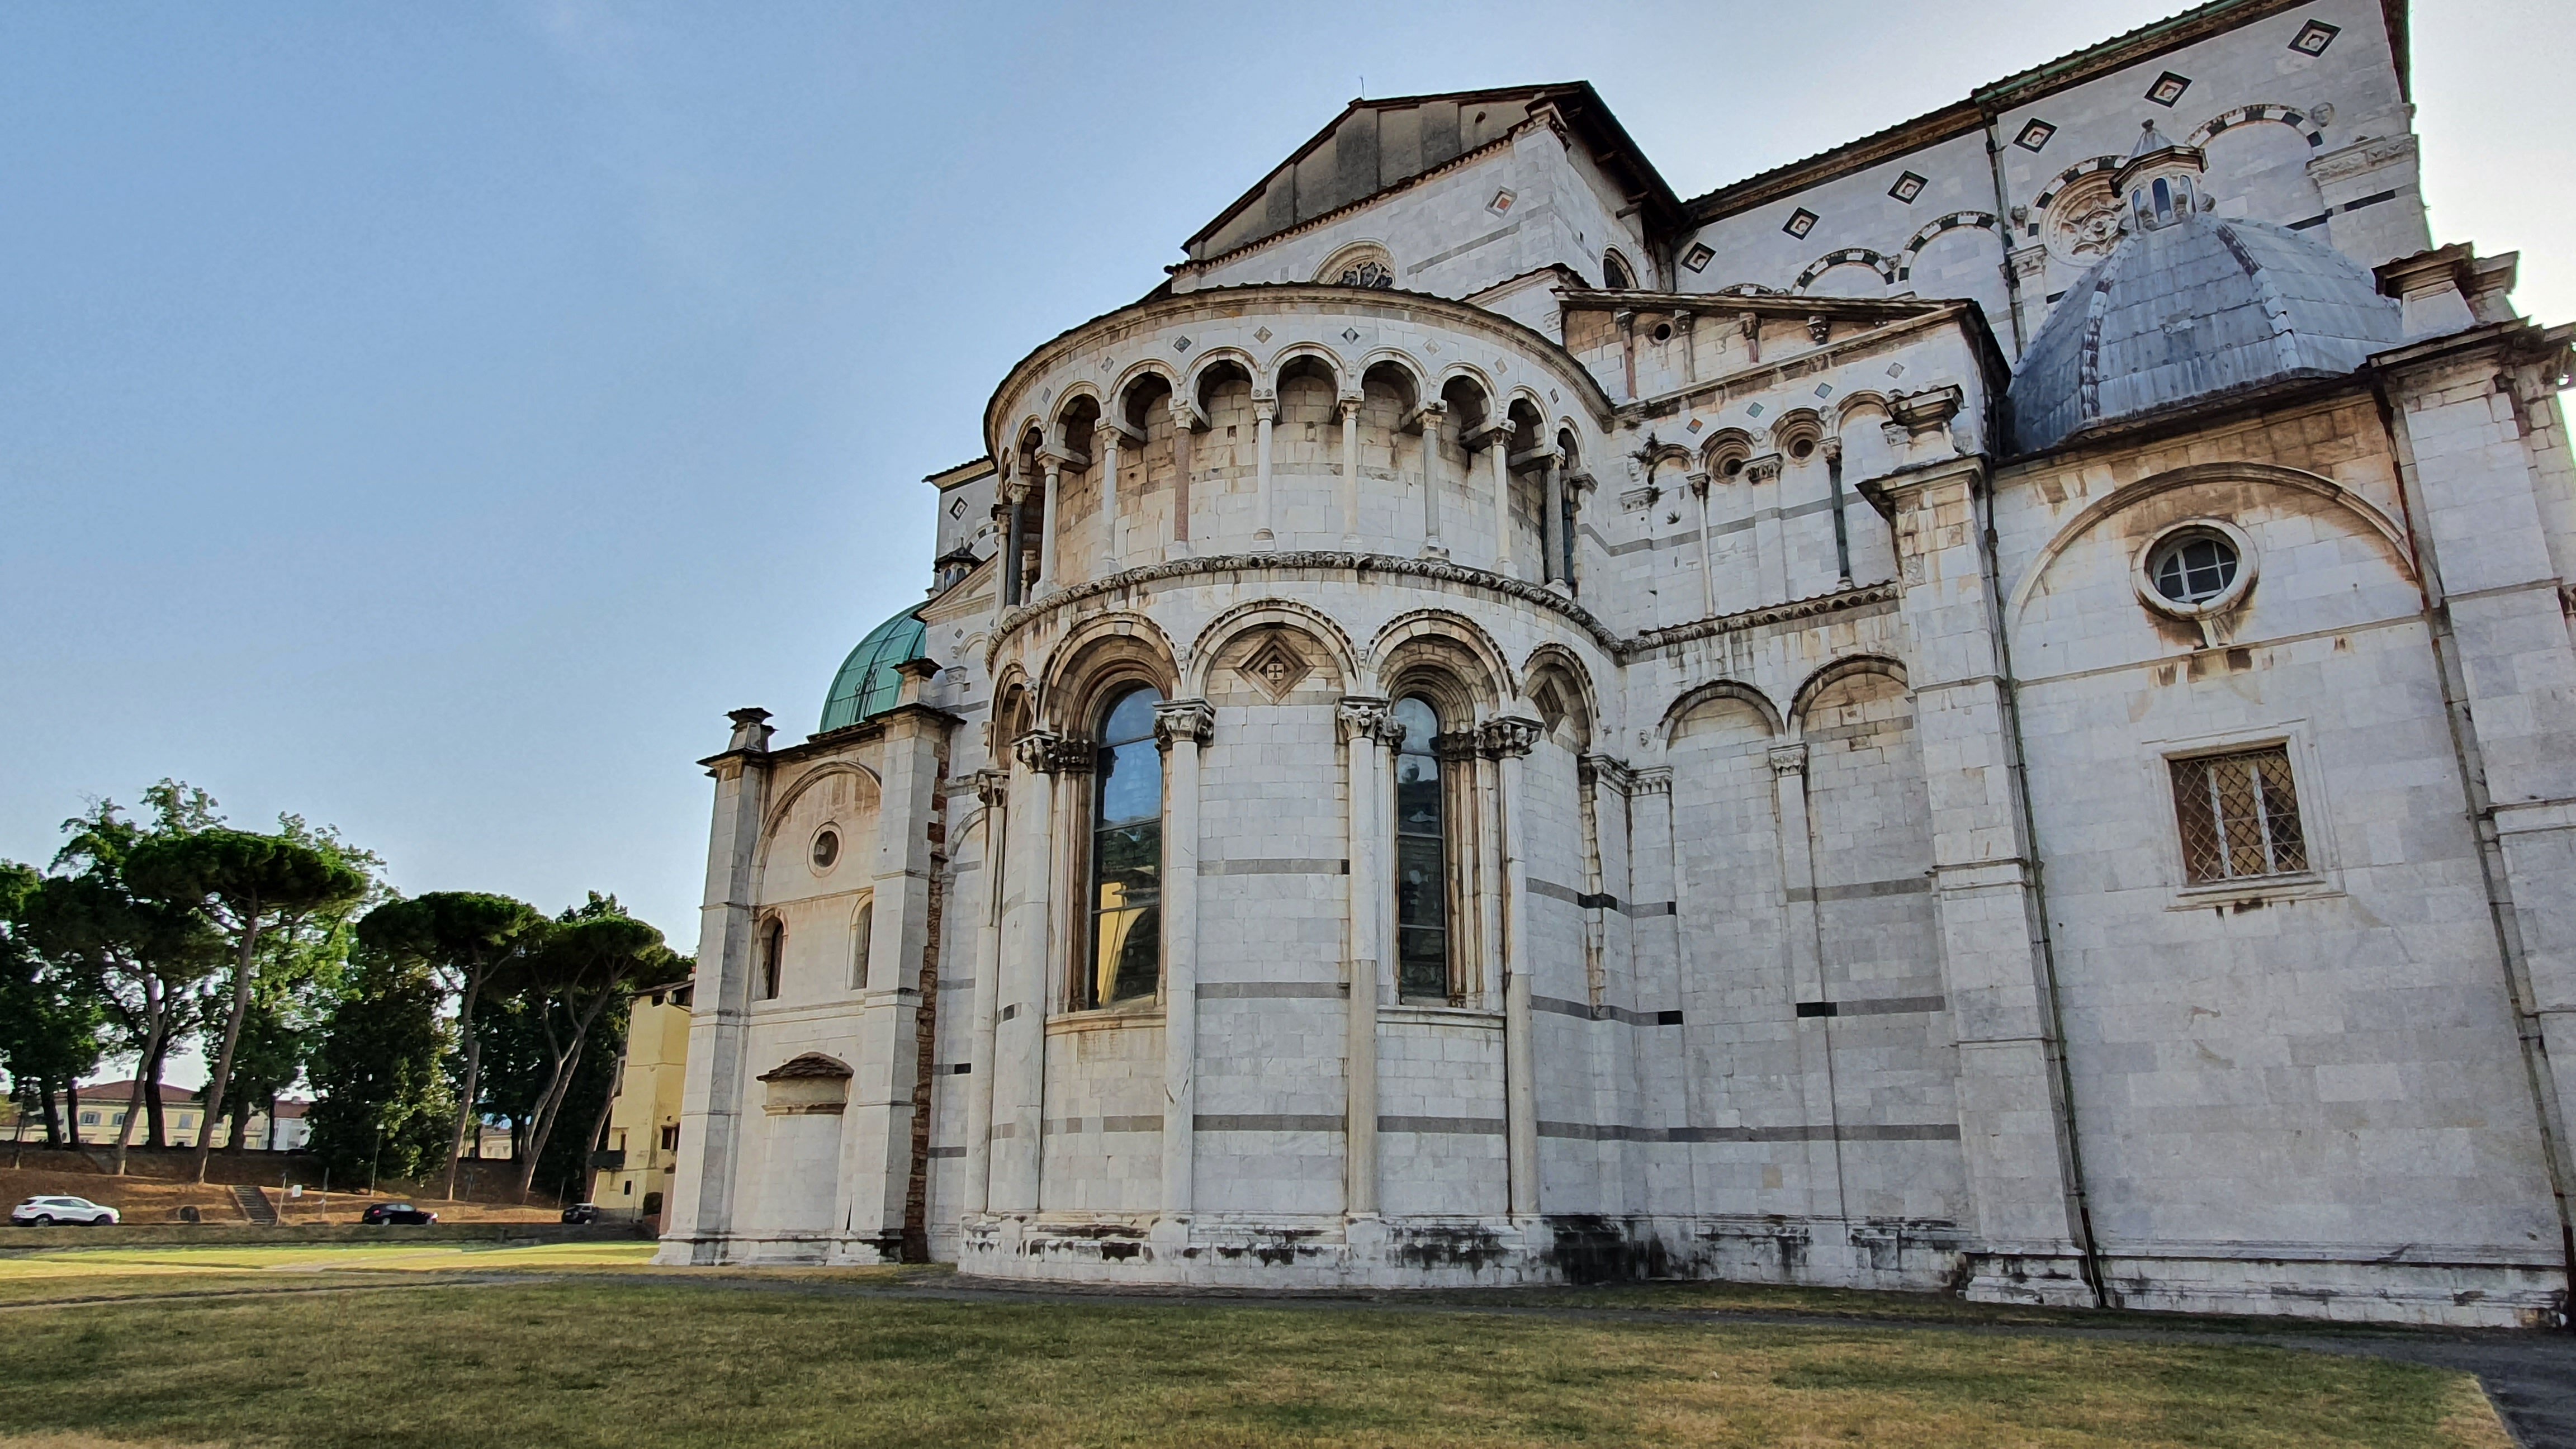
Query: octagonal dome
2191, 310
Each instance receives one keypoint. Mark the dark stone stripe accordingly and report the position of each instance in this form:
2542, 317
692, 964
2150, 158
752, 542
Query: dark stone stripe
1444, 1126
1894, 1005
1864, 890
1274, 867
1555, 892
948, 1152
1273, 991
1074, 1126
1857, 1132
1258, 1122
1605, 1012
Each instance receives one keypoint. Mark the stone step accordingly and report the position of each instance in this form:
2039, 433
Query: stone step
255, 1205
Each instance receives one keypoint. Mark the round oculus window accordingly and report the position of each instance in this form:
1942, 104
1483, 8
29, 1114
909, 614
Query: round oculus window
2193, 568
827, 849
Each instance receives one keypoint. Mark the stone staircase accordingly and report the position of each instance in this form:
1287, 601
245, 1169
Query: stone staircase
255, 1205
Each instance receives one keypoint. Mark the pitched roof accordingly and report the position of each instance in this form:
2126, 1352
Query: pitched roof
1375, 146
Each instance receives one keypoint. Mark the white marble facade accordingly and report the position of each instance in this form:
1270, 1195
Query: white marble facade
1813, 775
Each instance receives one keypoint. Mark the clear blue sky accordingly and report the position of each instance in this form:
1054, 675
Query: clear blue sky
430, 419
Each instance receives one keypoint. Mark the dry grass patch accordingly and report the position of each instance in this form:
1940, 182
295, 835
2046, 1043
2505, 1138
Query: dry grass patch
578, 1364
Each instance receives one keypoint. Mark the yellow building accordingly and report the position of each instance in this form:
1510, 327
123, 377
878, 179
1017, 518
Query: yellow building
644, 1123
102, 1111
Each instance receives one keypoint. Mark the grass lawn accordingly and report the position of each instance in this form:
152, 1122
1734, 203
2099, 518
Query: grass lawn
558, 1360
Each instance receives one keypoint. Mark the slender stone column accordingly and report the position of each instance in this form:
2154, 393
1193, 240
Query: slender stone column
1368, 732
993, 788
1047, 521
701, 1208
1181, 726
1014, 537
1351, 473
1028, 908
1498, 448
1186, 421
1805, 946
1265, 408
1508, 741
1770, 544
1432, 547
1832, 448
1699, 487
1552, 526
1108, 434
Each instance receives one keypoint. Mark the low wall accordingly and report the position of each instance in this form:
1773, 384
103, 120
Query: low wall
213, 1235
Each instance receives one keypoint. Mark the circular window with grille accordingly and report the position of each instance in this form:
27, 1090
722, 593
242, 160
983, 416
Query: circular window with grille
2196, 569
826, 851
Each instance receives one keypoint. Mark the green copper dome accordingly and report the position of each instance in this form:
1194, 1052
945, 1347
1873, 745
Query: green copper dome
867, 685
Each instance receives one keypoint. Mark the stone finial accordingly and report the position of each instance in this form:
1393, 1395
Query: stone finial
751, 729
1367, 717
914, 676
1176, 720
2428, 290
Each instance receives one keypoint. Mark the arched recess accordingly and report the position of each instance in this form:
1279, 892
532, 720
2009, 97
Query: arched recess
1796, 434
1741, 693
1457, 643
1617, 274
1327, 637
1835, 672
1391, 369
1725, 453
865, 791
1560, 692
1841, 274
1938, 226
2257, 164
1014, 708
2361, 509
1323, 362
1101, 653
1361, 264
1218, 365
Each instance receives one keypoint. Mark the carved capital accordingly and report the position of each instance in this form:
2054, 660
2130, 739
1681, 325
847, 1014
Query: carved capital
1176, 720
1367, 717
1349, 404
2028, 261
1831, 450
1655, 780
1788, 759
1050, 753
1764, 469
991, 786
1603, 772
1509, 737
1457, 748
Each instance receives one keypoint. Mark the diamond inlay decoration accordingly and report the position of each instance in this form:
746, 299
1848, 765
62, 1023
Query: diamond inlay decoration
1351, 335
1180, 344
2034, 135
1753, 410
1908, 187
1694, 426
1264, 335
2314, 37
1274, 668
2168, 88
1801, 222
1698, 257
1501, 205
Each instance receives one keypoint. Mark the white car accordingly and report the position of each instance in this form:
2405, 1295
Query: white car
44, 1212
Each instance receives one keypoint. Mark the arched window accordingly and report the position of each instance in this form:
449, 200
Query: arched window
861, 932
1616, 274
1126, 941
1421, 858
773, 957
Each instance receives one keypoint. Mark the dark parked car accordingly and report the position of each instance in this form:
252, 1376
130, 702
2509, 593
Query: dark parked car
582, 1212
391, 1213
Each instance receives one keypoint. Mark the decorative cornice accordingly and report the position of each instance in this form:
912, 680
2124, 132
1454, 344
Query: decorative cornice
1861, 597
1433, 570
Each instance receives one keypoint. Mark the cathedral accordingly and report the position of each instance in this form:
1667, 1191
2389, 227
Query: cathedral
1989, 711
